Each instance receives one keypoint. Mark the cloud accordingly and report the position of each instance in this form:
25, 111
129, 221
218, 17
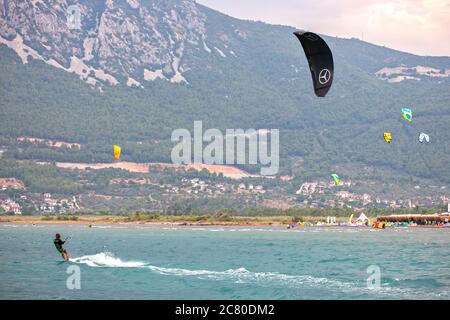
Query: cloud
416, 26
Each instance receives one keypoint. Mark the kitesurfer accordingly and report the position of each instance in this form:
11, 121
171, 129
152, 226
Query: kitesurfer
59, 246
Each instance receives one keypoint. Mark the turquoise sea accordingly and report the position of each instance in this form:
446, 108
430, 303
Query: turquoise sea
165, 262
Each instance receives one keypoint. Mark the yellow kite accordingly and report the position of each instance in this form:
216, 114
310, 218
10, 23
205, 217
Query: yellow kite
350, 220
117, 151
387, 137
336, 178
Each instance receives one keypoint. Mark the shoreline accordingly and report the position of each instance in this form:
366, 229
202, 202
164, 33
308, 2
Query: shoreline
92, 221
179, 221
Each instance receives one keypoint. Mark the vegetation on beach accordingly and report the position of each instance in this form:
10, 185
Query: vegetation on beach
157, 219
60, 218
210, 217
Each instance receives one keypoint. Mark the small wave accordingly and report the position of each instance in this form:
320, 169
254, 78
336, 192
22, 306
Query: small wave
13, 225
106, 227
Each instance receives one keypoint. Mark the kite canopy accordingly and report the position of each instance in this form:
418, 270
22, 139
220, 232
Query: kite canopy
423, 137
320, 61
336, 178
350, 220
407, 114
387, 137
117, 151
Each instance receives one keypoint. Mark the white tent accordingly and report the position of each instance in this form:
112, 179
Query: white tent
362, 218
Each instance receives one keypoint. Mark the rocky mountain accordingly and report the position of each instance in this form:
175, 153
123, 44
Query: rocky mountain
148, 67
146, 40
102, 40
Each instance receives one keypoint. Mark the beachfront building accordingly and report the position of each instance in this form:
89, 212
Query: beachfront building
419, 219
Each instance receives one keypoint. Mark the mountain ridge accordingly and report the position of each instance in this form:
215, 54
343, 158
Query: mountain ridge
230, 74
102, 42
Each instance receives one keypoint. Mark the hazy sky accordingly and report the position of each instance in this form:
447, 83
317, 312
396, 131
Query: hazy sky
416, 26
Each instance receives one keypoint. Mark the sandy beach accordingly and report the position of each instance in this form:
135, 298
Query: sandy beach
178, 221
169, 220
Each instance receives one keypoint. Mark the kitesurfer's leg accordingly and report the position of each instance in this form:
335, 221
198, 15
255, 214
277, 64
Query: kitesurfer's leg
64, 255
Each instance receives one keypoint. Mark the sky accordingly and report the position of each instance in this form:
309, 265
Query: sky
417, 26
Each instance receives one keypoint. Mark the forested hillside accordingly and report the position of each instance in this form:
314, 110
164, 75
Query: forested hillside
230, 74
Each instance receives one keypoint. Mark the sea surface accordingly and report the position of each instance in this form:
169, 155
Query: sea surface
165, 262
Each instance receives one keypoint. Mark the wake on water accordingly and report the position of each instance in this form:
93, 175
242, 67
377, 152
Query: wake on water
242, 275
107, 259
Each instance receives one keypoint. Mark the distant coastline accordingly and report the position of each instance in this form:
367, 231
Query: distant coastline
91, 221
163, 220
